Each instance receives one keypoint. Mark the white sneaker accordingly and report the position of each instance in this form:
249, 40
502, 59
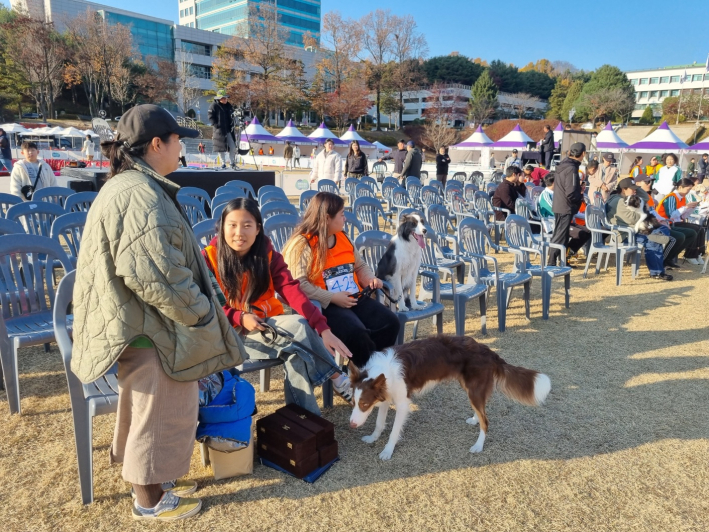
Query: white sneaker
693, 261
344, 390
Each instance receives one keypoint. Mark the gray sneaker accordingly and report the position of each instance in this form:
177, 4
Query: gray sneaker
170, 508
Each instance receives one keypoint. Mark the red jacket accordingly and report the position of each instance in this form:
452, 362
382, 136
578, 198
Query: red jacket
286, 287
537, 176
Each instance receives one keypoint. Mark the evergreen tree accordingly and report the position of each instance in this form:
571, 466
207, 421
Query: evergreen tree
647, 118
571, 98
557, 98
484, 88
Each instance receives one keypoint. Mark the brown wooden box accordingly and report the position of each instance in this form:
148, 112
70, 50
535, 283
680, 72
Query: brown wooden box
286, 437
327, 454
298, 467
323, 429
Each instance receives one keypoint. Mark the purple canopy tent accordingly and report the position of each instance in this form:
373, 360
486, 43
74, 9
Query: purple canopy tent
291, 134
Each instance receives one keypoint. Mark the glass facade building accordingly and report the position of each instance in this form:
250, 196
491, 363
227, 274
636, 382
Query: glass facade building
297, 17
152, 38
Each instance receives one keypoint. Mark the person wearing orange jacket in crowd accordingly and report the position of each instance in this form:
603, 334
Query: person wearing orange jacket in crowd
674, 207
330, 271
250, 272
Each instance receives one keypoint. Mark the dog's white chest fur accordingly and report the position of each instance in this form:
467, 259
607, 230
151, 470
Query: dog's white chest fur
408, 256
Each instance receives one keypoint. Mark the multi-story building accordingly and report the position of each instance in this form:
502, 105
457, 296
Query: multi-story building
230, 17
653, 86
455, 97
190, 47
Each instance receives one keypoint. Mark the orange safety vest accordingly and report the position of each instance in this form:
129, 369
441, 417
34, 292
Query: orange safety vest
340, 261
651, 170
581, 221
633, 169
680, 202
265, 306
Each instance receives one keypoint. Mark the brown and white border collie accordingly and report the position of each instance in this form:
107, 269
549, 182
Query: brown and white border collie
392, 376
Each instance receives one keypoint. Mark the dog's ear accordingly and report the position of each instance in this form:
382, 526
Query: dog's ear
379, 385
353, 372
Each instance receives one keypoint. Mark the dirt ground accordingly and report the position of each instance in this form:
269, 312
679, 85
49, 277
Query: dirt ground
620, 445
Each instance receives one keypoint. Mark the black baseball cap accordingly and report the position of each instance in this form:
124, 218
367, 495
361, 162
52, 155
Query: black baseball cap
142, 123
627, 183
643, 177
577, 148
514, 151
609, 157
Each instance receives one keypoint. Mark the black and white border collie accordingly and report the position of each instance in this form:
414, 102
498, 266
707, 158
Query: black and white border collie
647, 222
392, 376
401, 261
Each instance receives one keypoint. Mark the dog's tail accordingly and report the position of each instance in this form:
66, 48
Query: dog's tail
523, 385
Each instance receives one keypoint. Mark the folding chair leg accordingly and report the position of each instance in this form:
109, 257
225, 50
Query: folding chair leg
567, 288
265, 380
618, 268
526, 298
588, 263
402, 331
327, 391
83, 432
416, 329
439, 322
501, 308
8, 355
483, 313
598, 261
546, 296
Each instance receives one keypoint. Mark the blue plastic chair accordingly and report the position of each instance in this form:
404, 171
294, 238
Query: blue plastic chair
246, 187
221, 199
205, 231
519, 237
328, 185
278, 207
80, 202
233, 192
272, 195
7, 201
197, 193
475, 242
10, 227
27, 291
36, 216
352, 223
57, 195
279, 228
67, 230
193, 209
367, 211
305, 199
263, 189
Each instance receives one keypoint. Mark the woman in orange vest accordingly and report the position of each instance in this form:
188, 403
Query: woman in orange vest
636, 168
250, 272
324, 260
674, 207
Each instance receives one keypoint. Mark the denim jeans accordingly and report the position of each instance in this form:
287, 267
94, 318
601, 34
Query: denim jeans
7, 163
653, 255
304, 371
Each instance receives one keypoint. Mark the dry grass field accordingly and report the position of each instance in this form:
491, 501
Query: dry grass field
621, 444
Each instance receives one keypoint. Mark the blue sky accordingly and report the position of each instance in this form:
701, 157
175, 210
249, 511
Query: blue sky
630, 34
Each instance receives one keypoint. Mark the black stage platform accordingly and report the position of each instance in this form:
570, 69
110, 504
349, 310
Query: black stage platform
210, 180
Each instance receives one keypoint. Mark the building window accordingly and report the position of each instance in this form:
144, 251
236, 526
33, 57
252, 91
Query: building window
697, 77
411, 112
653, 94
412, 100
191, 10
654, 81
195, 48
643, 81
706, 77
182, 13
674, 79
643, 95
200, 71
674, 92
666, 79
633, 81
664, 94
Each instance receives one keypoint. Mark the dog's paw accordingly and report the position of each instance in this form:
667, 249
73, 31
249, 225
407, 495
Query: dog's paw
477, 448
416, 306
386, 453
472, 421
403, 308
370, 439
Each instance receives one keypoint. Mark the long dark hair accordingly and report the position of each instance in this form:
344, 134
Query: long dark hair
636, 162
684, 182
351, 152
314, 224
119, 155
254, 264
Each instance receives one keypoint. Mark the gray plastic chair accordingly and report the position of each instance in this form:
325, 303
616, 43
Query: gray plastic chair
56, 195
10, 227
370, 182
36, 216
217, 212
379, 169
350, 184
80, 202
459, 293
363, 190
400, 200
469, 191
7, 201
205, 231
246, 187
475, 242
279, 229
430, 196
233, 192
87, 400
197, 193
278, 207
372, 245
193, 209
305, 199
435, 183
221, 199
352, 223
460, 176
263, 189
477, 178
367, 211
328, 185
272, 195
595, 222
27, 290
520, 237
67, 231
486, 213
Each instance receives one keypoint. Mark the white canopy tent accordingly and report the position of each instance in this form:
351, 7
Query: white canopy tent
369, 149
662, 140
470, 150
